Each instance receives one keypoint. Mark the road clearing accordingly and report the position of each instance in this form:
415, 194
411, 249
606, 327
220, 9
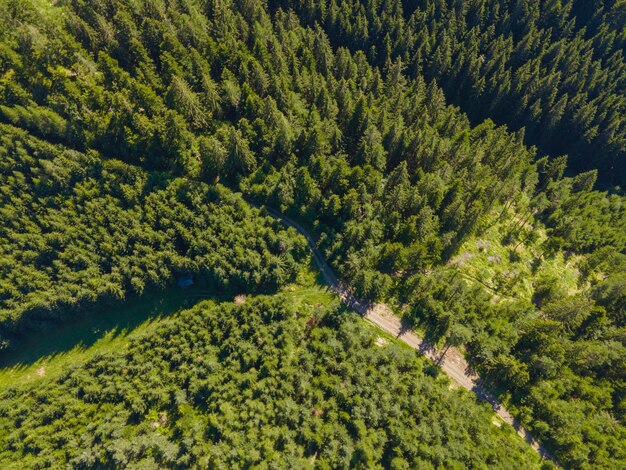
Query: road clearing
451, 360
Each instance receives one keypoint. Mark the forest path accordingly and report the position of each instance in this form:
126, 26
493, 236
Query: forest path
450, 360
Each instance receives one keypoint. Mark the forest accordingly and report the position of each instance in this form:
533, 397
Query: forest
462, 161
552, 67
105, 230
257, 384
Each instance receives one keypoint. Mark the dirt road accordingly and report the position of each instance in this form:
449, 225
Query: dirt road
451, 361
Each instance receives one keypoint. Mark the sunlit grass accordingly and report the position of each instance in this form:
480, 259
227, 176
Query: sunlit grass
510, 266
42, 355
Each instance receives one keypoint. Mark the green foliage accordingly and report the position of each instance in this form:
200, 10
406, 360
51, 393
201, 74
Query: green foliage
78, 231
188, 90
256, 384
586, 220
554, 68
548, 330
344, 125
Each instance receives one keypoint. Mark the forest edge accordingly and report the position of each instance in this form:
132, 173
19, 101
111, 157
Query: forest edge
450, 360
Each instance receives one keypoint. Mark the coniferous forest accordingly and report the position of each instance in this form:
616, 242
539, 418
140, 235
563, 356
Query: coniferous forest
462, 162
224, 386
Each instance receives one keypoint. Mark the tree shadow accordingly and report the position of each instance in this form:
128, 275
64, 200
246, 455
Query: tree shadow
481, 393
406, 325
115, 320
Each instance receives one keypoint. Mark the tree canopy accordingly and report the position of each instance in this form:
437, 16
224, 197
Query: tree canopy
462, 161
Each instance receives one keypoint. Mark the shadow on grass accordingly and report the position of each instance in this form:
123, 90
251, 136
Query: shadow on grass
112, 321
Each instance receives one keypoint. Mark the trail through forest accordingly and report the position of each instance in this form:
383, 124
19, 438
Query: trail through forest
450, 360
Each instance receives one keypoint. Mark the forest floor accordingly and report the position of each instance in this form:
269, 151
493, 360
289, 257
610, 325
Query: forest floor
451, 360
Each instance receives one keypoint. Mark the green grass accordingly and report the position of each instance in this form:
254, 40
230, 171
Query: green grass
41, 354
511, 269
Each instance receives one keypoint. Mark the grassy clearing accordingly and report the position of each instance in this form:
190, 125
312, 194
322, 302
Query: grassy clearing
47, 353
513, 267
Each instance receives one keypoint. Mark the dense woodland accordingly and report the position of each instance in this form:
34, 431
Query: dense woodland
553, 67
78, 232
336, 113
263, 384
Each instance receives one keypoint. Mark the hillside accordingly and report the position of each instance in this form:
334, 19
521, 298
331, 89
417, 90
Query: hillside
281, 381
554, 68
461, 162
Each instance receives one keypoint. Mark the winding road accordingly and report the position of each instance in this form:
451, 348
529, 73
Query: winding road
451, 360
